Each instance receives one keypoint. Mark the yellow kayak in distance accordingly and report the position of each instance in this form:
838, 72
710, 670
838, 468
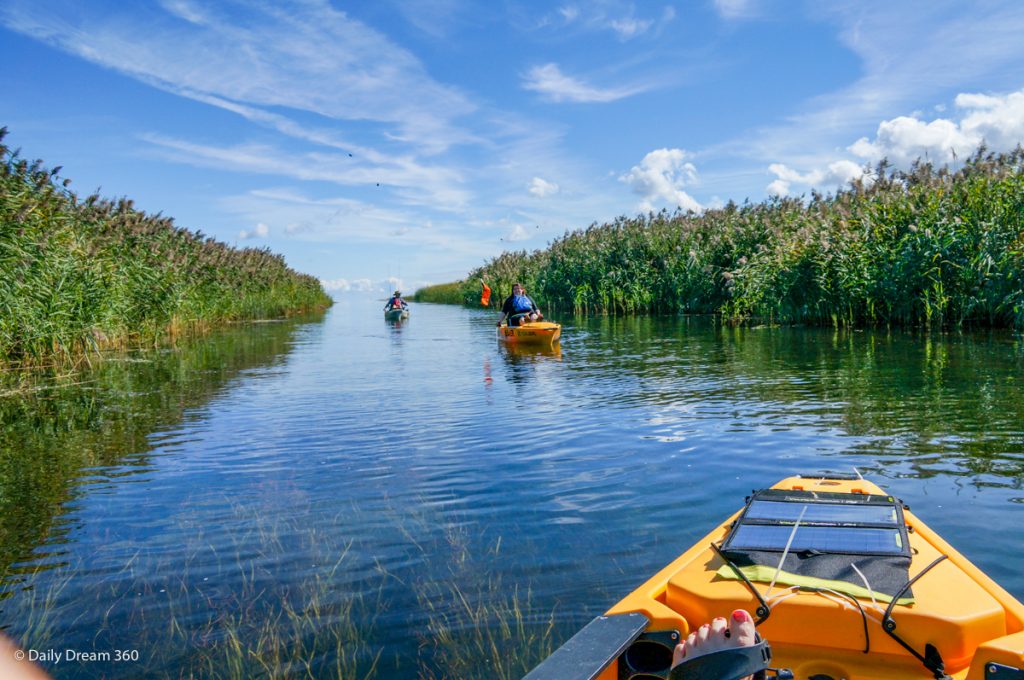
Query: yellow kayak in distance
532, 333
912, 607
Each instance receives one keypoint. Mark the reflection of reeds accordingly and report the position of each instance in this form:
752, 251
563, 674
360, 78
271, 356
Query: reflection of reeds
78, 275
926, 247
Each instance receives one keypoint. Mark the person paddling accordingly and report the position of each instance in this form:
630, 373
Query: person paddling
518, 308
396, 302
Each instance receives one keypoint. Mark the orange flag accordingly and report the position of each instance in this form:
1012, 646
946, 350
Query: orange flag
485, 297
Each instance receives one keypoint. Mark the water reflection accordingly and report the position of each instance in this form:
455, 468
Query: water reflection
66, 436
365, 475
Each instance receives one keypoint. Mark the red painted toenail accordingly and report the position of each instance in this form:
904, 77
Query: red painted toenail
740, 615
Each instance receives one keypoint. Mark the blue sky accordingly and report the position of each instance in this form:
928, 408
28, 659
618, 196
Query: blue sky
404, 142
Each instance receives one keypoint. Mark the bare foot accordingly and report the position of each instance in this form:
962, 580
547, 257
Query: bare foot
14, 666
716, 636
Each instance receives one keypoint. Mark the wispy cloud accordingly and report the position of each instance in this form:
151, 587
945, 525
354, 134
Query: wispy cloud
268, 60
620, 18
909, 54
549, 81
343, 220
435, 186
660, 179
735, 9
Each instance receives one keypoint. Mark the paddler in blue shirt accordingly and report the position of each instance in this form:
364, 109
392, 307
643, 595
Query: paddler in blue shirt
396, 302
519, 308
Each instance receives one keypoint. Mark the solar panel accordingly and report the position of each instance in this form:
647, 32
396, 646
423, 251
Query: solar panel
824, 539
821, 512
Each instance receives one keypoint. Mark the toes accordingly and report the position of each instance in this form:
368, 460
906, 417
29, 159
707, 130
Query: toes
741, 627
678, 654
718, 627
702, 635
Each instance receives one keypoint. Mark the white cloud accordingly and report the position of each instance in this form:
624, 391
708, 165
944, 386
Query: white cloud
518, 233
903, 140
549, 81
541, 188
997, 121
837, 174
261, 231
660, 178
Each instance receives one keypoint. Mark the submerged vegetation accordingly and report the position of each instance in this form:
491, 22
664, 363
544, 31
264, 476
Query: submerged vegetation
80, 274
925, 247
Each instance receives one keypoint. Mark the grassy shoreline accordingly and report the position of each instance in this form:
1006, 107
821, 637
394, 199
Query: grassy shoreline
928, 247
78, 275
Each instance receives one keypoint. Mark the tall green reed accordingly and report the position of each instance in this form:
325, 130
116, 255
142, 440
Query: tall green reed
79, 274
923, 247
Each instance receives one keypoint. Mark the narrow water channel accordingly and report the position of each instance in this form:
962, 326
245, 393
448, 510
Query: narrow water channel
359, 498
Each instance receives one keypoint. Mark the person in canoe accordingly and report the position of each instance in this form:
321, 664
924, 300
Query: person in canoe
396, 302
518, 308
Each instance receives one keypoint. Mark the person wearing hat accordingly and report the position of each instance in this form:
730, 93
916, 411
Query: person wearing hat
396, 302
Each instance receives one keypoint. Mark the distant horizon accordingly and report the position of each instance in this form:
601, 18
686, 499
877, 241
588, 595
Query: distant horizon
404, 143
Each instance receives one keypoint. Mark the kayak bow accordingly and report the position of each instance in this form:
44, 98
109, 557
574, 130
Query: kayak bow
531, 333
912, 607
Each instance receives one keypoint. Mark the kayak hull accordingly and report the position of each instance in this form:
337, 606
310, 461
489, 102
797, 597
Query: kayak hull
540, 333
976, 626
396, 314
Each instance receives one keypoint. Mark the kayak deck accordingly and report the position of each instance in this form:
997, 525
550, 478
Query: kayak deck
976, 627
532, 333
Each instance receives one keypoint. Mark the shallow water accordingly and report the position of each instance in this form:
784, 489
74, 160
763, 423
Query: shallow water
375, 495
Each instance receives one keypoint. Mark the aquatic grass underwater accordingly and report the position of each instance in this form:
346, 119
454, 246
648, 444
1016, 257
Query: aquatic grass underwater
928, 247
78, 275
324, 625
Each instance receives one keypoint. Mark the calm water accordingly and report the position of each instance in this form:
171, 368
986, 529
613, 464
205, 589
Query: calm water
383, 499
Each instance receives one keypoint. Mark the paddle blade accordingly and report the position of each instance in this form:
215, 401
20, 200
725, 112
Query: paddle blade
485, 297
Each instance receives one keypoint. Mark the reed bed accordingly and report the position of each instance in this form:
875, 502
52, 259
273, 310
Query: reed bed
81, 274
928, 247
443, 293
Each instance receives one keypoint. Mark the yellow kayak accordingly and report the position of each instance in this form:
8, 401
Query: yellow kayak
911, 606
532, 333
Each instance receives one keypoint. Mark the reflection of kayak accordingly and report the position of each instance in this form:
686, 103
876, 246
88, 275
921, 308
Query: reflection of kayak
533, 350
533, 333
396, 314
821, 618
